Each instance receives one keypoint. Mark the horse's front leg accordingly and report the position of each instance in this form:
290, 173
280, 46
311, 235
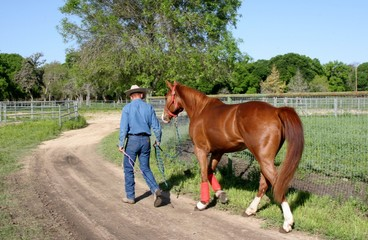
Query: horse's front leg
205, 191
220, 194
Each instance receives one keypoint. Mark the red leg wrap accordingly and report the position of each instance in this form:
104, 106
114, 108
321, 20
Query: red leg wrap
205, 192
214, 183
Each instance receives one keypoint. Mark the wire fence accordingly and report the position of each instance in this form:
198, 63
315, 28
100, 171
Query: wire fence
335, 158
21, 111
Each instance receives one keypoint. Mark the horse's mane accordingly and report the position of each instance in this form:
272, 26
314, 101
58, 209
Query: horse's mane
193, 93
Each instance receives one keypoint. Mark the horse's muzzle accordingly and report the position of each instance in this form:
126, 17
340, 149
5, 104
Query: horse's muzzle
165, 119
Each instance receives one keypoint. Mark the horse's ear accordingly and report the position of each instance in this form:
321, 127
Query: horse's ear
169, 84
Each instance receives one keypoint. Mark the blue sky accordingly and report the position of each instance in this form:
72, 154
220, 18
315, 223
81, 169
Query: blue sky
329, 30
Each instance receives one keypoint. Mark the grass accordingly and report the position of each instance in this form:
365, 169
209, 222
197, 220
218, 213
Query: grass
337, 145
16, 140
323, 216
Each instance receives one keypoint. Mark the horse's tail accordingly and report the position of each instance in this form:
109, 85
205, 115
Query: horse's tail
293, 133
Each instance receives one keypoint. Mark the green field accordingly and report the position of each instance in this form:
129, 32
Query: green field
337, 146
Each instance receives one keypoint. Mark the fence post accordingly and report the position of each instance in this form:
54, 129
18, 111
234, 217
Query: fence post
335, 106
15, 111
32, 110
68, 108
1, 111
5, 106
59, 115
75, 109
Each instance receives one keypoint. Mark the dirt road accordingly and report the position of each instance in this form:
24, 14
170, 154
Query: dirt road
75, 194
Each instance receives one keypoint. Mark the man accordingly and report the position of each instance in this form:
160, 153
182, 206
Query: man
137, 120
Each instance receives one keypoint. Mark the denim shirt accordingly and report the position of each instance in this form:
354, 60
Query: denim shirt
138, 117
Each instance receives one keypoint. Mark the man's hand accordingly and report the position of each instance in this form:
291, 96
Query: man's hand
121, 149
157, 144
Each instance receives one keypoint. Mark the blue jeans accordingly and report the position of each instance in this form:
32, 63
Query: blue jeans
138, 146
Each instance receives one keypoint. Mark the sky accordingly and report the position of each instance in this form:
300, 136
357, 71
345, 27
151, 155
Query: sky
329, 30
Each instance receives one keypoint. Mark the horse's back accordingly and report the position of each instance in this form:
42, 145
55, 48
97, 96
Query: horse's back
233, 126
257, 112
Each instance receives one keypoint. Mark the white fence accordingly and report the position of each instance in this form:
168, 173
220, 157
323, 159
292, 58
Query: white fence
37, 110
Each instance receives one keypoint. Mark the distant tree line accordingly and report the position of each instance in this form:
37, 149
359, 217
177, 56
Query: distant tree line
121, 43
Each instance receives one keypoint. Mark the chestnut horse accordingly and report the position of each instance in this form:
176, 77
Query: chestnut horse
218, 128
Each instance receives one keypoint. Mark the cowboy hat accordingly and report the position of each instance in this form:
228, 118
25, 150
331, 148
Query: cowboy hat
136, 89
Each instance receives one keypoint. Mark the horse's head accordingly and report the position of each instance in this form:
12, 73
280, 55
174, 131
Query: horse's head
172, 103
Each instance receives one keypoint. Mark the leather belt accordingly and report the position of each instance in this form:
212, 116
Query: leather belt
139, 134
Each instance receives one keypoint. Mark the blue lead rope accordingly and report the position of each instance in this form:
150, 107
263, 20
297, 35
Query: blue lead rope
160, 162
158, 150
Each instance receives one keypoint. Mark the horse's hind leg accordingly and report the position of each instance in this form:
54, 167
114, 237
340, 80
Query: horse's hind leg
288, 216
220, 194
268, 174
253, 207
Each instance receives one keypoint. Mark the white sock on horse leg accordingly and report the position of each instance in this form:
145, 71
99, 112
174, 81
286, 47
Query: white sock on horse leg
252, 209
201, 206
288, 217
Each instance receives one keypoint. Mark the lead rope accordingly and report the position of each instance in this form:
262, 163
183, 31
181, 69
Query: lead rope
159, 160
132, 163
178, 143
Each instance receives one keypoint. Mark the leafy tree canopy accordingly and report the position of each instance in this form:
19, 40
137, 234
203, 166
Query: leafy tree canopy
29, 77
297, 83
362, 77
290, 63
9, 66
147, 42
338, 75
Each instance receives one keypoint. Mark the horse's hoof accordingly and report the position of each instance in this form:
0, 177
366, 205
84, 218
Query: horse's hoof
200, 206
282, 230
245, 214
286, 228
250, 212
222, 197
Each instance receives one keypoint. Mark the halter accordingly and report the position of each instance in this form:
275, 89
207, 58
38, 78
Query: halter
172, 102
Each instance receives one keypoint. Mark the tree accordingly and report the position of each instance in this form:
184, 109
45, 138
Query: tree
247, 76
29, 76
148, 42
362, 77
290, 63
54, 78
9, 65
297, 83
319, 84
338, 75
273, 84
